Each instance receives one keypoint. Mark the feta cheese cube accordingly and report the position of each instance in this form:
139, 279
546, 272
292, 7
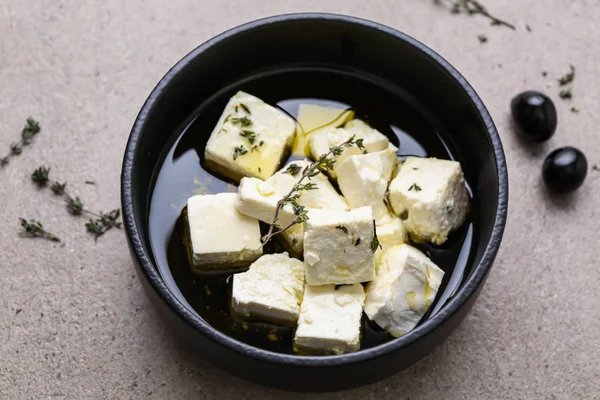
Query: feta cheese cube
271, 290
406, 285
431, 196
322, 140
250, 139
325, 196
337, 246
329, 320
220, 237
364, 179
258, 199
391, 232
312, 117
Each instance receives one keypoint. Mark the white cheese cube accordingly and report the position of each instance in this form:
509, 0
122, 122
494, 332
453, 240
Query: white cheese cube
406, 285
364, 179
322, 140
220, 237
391, 232
259, 199
312, 117
325, 196
271, 290
329, 320
431, 196
250, 139
338, 246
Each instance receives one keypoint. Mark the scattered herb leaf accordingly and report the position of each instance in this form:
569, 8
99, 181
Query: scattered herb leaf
40, 176
15, 149
544, 73
342, 228
566, 94
58, 188
567, 78
357, 242
250, 135
239, 151
528, 28
245, 108
243, 121
482, 38
415, 187
74, 205
574, 110
31, 128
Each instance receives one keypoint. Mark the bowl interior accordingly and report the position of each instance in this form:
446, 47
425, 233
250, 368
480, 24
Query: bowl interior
356, 49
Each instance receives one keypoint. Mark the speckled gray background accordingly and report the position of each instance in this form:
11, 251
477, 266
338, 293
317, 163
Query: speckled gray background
74, 322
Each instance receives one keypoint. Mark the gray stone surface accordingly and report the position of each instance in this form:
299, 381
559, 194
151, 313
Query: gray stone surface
74, 322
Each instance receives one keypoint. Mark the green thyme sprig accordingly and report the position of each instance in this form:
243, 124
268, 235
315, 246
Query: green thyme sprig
324, 163
34, 229
473, 7
98, 224
31, 128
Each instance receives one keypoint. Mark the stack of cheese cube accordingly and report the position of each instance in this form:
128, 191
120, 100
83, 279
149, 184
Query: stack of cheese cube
350, 242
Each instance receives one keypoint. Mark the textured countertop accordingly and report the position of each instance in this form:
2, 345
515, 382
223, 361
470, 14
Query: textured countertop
74, 322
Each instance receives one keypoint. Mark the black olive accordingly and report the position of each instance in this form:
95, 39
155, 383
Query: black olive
564, 170
535, 116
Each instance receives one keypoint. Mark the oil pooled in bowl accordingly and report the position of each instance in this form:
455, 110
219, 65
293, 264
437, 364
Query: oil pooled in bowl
182, 174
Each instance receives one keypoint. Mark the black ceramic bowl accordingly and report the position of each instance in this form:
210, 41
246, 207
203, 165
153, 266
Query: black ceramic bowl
336, 43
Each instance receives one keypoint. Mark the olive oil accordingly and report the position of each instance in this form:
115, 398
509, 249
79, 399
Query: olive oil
183, 174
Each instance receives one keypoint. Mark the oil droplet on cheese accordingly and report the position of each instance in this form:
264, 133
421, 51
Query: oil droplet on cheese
411, 299
312, 117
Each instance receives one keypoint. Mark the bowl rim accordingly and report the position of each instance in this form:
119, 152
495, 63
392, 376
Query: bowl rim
143, 257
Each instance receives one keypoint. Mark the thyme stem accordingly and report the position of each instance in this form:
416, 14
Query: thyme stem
323, 163
473, 7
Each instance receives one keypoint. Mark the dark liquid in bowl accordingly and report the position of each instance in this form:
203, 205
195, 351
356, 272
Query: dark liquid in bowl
182, 174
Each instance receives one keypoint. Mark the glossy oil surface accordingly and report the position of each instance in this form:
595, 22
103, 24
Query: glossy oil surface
182, 175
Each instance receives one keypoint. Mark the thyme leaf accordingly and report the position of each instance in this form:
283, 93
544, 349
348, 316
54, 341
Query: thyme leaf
342, 228
567, 78
35, 229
